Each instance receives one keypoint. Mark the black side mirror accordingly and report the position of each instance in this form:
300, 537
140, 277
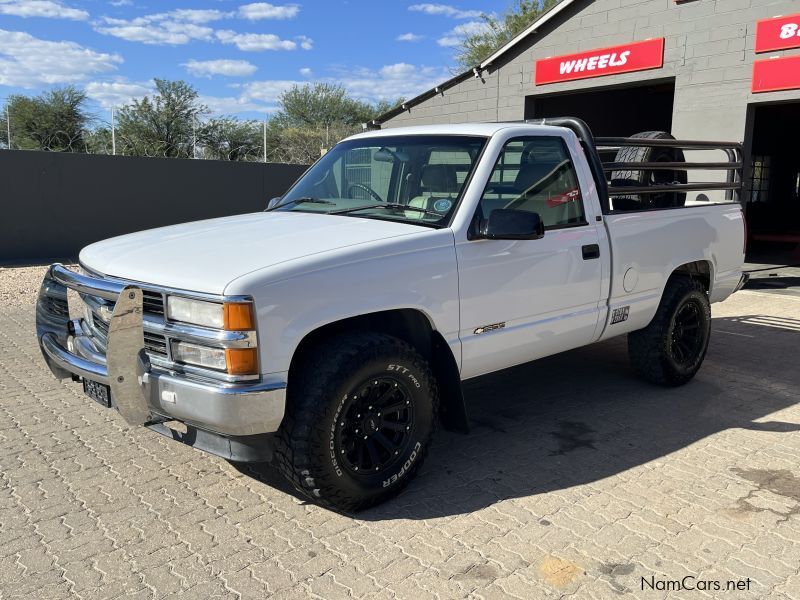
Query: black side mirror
273, 202
511, 224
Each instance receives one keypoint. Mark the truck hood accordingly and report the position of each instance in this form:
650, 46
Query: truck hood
204, 256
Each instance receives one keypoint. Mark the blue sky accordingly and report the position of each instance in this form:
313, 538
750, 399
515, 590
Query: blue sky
239, 55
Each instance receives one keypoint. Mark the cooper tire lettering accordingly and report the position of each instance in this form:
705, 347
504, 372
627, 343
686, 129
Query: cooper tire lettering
406, 466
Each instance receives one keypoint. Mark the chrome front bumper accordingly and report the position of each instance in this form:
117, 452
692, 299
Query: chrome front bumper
141, 392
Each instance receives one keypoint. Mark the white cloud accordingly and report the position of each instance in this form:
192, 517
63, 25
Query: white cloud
192, 15
174, 28
226, 67
256, 42
445, 10
27, 61
306, 43
264, 10
455, 36
118, 92
51, 9
390, 81
230, 105
266, 92
121, 91
121, 2
409, 37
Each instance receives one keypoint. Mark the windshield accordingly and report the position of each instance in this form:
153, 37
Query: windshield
377, 177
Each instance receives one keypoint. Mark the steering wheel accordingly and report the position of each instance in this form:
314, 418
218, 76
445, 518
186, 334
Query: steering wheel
366, 188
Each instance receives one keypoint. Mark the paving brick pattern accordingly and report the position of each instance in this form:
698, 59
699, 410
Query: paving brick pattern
578, 481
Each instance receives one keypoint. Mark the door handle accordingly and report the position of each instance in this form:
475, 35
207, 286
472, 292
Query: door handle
590, 251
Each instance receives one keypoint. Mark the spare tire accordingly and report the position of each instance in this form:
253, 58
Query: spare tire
645, 178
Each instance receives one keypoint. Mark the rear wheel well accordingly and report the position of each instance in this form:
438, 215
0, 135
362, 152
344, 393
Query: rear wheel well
414, 328
699, 270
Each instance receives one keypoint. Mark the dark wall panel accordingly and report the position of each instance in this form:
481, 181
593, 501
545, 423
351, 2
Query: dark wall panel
53, 203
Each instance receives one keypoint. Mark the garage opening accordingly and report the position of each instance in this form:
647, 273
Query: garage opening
773, 203
611, 111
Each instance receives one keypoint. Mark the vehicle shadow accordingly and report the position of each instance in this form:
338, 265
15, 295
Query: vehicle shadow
771, 283
582, 416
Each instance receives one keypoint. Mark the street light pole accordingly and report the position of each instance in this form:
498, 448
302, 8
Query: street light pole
8, 127
265, 140
113, 134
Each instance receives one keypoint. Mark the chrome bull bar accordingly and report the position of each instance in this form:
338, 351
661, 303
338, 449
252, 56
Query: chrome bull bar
126, 366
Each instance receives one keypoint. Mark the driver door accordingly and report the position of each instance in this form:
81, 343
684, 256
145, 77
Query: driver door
525, 299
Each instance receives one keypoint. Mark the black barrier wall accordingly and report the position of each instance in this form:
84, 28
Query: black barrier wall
55, 203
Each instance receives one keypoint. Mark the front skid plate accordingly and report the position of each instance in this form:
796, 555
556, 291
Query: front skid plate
126, 358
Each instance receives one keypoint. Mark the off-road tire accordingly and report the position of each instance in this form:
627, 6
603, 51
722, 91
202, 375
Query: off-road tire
309, 444
642, 178
651, 350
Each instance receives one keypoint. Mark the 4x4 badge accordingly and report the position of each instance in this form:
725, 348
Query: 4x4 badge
620, 314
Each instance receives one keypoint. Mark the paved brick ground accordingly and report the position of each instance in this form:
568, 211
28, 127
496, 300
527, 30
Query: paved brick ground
578, 480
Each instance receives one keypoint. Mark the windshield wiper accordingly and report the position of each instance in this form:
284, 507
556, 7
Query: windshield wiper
387, 205
303, 200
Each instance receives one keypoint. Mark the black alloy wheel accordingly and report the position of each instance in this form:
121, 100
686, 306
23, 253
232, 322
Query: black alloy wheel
375, 426
686, 339
671, 349
361, 411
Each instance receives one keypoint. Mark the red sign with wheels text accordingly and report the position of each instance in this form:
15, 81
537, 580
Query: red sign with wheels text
779, 33
626, 58
774, 74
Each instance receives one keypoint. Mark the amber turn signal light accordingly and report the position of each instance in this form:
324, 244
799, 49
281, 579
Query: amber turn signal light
242, 361
239, 316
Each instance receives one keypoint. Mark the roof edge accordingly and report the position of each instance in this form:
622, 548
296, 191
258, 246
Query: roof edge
473, 72
554, 10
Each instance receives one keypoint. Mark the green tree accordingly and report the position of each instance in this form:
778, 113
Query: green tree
320, 104
98, 140
165, 124
313, 117
227, 138
55, 120
497, 31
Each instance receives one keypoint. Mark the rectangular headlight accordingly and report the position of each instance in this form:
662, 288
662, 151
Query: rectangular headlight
196, 312
201, 356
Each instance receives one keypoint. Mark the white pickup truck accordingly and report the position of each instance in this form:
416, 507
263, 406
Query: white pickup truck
332, 332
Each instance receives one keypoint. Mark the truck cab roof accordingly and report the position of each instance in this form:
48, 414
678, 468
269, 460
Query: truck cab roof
479, 129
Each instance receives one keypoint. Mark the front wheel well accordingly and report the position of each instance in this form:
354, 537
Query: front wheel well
413, 327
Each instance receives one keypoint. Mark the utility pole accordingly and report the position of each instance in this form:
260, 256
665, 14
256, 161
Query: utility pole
265, 140
8, 127
113, 134
194, 137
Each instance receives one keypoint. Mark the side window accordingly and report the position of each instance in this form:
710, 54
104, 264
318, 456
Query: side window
536, 174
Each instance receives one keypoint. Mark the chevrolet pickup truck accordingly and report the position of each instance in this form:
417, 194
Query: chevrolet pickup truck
331, 333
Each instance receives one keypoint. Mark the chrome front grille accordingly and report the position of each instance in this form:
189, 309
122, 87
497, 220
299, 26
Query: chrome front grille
99, 295
153, 302
154, 343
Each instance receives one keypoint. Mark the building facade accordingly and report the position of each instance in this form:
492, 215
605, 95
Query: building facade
701, 69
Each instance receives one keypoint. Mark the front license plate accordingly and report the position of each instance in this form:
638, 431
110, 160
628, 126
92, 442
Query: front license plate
99, 392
